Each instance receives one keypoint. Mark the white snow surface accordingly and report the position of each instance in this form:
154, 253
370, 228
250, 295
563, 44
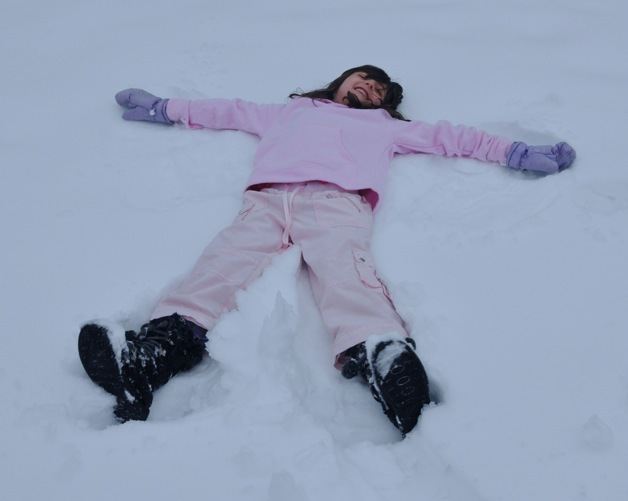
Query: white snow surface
514, 286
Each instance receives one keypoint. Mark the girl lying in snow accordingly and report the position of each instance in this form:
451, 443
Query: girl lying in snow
318, 174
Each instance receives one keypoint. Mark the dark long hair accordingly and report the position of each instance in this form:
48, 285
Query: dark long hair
392, 99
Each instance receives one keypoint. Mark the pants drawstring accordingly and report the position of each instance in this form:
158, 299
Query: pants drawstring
287, 211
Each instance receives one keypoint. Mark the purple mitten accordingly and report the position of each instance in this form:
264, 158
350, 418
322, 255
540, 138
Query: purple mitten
546, 159
142, 105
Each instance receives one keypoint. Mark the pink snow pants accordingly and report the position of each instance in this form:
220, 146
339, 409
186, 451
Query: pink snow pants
333, 228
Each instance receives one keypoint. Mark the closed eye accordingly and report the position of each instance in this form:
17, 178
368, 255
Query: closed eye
381, 91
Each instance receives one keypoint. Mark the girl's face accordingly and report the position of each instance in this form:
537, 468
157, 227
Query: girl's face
369, 92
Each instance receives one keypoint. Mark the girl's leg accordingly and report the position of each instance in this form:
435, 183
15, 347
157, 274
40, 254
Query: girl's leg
132, 365
235, 257
333, 229
370, 339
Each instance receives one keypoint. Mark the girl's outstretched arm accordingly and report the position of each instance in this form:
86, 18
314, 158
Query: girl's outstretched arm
234, 114
449, 140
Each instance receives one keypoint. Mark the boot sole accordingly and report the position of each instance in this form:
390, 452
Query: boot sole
98, 358
99, 361
404, 390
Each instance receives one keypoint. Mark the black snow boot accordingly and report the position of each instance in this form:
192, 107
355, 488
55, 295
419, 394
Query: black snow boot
133, 365
395, 376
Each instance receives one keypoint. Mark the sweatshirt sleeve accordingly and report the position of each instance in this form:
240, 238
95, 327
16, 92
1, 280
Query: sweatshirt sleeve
449, 140
234, 114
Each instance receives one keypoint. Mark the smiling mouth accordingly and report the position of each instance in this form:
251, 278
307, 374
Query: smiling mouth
362, 91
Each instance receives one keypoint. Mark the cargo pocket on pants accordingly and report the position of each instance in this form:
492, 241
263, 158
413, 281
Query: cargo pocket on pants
366, 271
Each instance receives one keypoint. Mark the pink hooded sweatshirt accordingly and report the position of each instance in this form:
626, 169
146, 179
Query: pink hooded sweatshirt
320, 140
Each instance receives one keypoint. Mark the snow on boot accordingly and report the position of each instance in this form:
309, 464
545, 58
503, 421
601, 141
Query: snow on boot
133, 365
395, 375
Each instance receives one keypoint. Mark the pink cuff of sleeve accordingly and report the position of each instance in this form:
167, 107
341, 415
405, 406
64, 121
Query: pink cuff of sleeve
177, 111
503, 149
